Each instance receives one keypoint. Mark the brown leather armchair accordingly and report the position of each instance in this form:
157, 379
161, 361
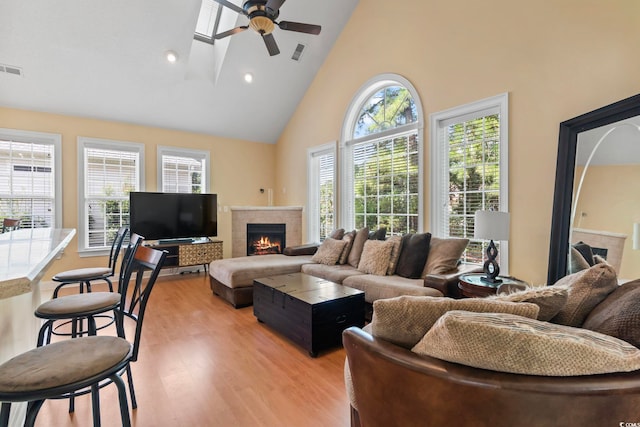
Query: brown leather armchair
394, 387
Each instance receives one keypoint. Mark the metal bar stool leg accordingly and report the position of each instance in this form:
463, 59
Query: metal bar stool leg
4, 414
95, 404
134, 402
32, 411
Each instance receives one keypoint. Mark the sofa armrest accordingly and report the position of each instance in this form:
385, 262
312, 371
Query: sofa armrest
307, 249
447, 283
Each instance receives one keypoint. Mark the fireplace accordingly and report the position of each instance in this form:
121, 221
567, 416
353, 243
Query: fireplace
265, 239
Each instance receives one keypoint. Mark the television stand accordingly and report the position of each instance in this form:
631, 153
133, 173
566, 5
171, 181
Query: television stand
188, 252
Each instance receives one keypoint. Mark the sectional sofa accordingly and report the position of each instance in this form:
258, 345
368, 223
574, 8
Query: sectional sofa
415, 264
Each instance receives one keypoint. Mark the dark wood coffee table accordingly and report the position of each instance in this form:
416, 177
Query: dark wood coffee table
310, 311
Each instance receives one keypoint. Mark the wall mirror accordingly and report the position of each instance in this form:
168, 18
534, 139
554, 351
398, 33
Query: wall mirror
597, 169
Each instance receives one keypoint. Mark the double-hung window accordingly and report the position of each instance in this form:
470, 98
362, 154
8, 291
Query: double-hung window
31, 178
469, 170
109, 171
382, 158
322, 191
183, 170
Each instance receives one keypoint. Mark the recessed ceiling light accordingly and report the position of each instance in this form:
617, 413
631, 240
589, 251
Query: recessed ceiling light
171, 56
248, 77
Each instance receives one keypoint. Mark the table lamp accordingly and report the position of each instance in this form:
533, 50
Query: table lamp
491, 225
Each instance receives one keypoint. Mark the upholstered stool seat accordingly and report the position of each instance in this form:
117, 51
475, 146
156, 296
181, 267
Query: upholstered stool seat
75, 307
82, 274
61, 368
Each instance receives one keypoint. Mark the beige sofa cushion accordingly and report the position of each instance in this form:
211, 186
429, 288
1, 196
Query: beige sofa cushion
587, 288
333, 273
509, 343
444, 255
550, 299
240, 272
329, 251
382, 287
404, 320
349, 238
375, 257
396, 247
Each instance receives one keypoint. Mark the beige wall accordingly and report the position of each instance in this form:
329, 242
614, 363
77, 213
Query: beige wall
238, 168
556, 59
608, 202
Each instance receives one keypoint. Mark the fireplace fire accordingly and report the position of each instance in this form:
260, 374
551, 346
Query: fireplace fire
265, 239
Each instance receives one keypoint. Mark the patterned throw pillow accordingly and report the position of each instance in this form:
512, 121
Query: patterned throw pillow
329, 251
509, 343
348, 237
358, 244
396, 247
404, 320
550, 299
375, 257
587, 288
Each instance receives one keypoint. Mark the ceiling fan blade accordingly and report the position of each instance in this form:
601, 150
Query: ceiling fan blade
230, 32
274, 5
271, 44
299, 27
230, 6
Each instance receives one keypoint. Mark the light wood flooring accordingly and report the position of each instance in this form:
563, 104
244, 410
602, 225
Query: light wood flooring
204, 363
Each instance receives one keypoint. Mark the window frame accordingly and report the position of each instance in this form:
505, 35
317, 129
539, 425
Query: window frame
44, 138
191, 153
106, 144
313, 188
439, 161
346, 211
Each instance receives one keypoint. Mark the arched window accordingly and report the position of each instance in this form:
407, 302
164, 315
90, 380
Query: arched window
381, 157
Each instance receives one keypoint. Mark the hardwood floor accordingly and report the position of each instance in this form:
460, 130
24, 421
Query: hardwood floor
204, 363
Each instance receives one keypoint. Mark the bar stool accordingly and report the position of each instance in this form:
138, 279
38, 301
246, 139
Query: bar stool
68, 367
9, 224
84, 276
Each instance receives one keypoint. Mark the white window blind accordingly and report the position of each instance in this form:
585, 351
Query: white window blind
183, 170
28, 183
322, 192
470, 171
110, 171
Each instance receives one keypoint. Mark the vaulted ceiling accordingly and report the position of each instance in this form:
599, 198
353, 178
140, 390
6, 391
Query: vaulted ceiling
106, 60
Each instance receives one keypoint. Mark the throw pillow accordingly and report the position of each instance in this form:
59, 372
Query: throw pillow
396, 247
576, 261
550, 299
413, 256
379, 234
587, 288
404, 320
508, 343
348, 237
337, 234
619, 314
444, 255
329, 251
375, 257
356, 249
585, 251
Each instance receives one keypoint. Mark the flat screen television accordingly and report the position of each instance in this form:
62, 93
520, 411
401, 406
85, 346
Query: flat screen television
166, 216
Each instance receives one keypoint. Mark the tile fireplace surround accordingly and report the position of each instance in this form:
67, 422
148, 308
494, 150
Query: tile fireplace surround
291, 216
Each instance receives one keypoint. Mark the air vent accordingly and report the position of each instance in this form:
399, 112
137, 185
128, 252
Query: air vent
298, 52
10, 69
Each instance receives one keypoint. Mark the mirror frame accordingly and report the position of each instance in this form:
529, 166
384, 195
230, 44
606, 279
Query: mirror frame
565, 171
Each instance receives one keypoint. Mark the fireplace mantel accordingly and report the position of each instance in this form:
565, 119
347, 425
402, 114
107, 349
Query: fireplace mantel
291, 216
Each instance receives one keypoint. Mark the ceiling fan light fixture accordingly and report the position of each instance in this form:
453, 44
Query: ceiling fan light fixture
262, 24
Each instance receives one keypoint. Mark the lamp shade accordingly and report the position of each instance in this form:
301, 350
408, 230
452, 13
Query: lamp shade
491, 225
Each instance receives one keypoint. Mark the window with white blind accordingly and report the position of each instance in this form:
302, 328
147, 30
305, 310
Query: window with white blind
469, 171
31, 178
382, 158
109, 171
322, 192
183, 170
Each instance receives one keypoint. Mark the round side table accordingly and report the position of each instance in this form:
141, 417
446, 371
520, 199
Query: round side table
472, 285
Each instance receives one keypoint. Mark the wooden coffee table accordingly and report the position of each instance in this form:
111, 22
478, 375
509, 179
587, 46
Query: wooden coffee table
310, 311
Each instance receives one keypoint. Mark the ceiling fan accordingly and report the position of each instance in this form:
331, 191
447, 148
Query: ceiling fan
262, 16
